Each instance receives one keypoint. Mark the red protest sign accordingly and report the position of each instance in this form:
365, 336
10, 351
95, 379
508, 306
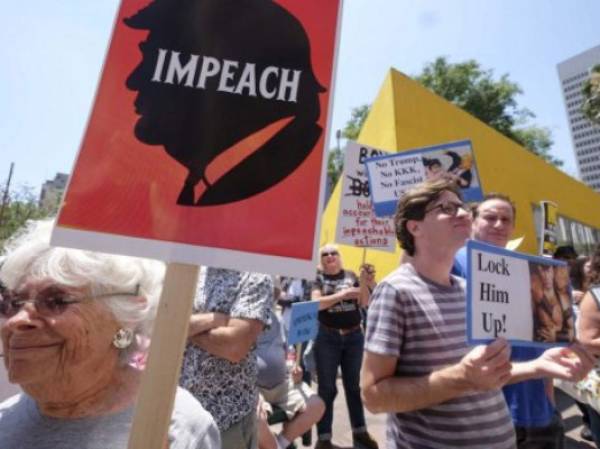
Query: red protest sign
207, 132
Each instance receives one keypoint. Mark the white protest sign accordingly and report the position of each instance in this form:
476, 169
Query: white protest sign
392, 175
357, 225
522, 298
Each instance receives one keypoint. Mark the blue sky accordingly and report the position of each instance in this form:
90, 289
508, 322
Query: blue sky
52, 54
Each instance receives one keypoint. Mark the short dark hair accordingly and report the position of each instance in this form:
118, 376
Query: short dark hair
578, 278
595, 266
565, 252
413, 205
495, 196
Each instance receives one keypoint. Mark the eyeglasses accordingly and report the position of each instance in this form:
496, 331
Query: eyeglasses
449, 208
331, 253
49, 303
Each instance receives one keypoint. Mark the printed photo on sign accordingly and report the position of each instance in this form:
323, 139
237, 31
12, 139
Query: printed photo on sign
357, 224
525, 299
391, 176
553, 319
207, 132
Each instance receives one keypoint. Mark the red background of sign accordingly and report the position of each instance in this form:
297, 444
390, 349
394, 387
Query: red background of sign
121, 186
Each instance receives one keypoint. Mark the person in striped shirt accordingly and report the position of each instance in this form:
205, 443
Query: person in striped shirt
438, 391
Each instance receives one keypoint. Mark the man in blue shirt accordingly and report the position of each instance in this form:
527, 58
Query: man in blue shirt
538, 425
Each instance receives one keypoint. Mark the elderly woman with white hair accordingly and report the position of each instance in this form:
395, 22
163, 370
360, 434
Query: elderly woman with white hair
73, 326
339, 344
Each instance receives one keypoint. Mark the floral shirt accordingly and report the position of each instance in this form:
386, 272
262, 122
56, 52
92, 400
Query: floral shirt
227, 390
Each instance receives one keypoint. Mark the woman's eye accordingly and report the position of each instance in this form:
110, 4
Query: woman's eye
55, 302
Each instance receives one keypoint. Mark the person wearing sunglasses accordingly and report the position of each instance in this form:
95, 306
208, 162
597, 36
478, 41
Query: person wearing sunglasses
339, 344
75, 328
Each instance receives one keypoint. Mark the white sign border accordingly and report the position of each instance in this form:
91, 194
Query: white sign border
473, 245
183, 253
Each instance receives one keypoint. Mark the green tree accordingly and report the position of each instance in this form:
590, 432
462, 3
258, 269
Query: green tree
351, 130
591, 95
335, 165
475, 90
539, 141
21, 206
356, 122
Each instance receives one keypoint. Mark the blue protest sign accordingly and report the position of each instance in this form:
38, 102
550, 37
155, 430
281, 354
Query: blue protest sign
303, 322
392, 175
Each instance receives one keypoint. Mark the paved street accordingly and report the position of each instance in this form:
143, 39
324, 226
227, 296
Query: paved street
342, 435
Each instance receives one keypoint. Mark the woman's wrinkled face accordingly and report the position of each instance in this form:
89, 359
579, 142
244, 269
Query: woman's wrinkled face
70, 344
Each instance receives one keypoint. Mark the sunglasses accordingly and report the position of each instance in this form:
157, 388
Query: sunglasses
331, 253
49, 303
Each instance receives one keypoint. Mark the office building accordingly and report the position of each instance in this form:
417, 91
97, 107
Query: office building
585, 135
52, 191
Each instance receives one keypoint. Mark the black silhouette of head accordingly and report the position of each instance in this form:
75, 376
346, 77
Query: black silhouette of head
215, 72
456, 160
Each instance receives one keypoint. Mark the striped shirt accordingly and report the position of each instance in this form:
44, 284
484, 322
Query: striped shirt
423, 324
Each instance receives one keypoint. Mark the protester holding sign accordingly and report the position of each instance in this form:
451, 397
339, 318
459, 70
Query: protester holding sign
219, 366
418, 367
74, 332
339, 343
533, 413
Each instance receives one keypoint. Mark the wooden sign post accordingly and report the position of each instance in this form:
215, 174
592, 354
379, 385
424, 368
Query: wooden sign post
159, 382
190, 145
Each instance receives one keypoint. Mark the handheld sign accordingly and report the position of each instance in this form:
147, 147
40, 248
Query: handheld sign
203, 128
210, 117
525, 299
548, 233
357, 224
391, 176
304, 322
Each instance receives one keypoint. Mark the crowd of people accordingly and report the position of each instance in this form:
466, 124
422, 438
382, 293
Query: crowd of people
76, 326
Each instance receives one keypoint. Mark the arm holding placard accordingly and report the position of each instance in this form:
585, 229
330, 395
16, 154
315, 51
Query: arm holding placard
567, 363
483, 368
367, 283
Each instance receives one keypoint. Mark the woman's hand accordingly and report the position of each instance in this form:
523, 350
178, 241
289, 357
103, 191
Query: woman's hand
351, 293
